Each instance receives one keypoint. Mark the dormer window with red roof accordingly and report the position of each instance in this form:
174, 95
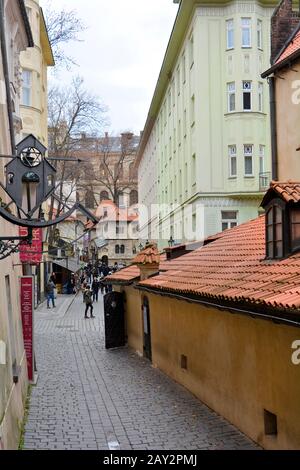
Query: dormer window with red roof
282, 207
274, 231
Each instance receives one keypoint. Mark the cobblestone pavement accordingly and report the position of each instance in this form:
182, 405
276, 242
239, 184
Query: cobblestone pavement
90, 398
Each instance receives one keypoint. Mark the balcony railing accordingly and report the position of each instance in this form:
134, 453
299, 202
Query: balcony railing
264, 181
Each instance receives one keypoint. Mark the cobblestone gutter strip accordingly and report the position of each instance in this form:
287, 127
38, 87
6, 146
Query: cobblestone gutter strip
26, 414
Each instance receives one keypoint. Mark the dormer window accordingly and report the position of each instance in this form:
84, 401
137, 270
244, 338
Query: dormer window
274, 232
295, 228
282, 208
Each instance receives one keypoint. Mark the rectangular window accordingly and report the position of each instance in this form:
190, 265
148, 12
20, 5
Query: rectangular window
247, 96
229, 219
173, 93
248, 160
26, 87
194, 171
192, 110
262, 168
191, 50
260, 97
231, 97
232, 161
230, 34
178, 80
259, 34
246, 32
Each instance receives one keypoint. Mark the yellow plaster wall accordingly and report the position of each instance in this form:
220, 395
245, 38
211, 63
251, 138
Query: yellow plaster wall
237, 365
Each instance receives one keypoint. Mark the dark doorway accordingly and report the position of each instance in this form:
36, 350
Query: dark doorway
104, 259
114, 322
147, 329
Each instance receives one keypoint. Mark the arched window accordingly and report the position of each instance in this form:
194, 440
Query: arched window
117, 249
274, 232
104, 196
122, 249
134, 197
89, 199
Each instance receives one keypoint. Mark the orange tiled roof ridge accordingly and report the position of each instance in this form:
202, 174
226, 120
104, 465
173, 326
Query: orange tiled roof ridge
291, 48
289, 191
233, 268
149, 255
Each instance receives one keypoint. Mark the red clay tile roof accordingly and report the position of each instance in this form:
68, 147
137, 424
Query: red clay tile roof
125, 275
292, 47
150, 255
289, 192
233, 268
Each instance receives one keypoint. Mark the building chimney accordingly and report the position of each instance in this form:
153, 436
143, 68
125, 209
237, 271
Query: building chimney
148, 261
283, 22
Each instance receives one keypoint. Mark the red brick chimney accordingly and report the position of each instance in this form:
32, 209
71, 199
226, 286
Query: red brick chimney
283, 22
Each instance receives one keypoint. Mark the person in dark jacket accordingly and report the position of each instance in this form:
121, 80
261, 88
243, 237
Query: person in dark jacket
87, 296
50, 293
95, 289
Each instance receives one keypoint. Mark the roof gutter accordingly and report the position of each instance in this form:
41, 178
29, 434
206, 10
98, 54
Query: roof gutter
242, 311
284, 63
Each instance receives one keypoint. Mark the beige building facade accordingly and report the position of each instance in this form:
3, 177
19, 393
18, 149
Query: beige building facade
16, 33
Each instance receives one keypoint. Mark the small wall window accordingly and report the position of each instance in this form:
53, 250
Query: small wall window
247, 96
230, 34
117, 249
231, 96
270, 422
232, 161
246, 32
248, 160
122, 249
260, 97
183, 362
274, 232
26, 87
229, 219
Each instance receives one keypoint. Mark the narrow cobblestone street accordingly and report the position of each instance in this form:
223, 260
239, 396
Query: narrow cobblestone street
90, 398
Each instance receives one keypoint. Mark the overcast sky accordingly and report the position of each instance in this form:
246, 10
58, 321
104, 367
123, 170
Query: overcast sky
121, 53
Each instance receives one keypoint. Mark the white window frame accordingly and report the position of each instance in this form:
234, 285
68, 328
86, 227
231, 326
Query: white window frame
27, 86
260, 97
262, 159
248, 153
229, 30
246, 26
231, 91
259, 34
230, 222
232, 156
247, 91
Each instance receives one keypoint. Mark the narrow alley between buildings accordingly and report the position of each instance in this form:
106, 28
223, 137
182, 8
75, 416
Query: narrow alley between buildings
89, 398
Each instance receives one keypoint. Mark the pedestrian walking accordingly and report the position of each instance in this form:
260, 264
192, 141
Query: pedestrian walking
95, 289
88, 302
50, 293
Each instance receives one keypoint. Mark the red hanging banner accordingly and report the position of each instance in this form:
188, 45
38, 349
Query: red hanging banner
27, 321
31, 253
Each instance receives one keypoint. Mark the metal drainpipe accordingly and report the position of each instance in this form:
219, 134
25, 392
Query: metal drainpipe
6, 78
273, 129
